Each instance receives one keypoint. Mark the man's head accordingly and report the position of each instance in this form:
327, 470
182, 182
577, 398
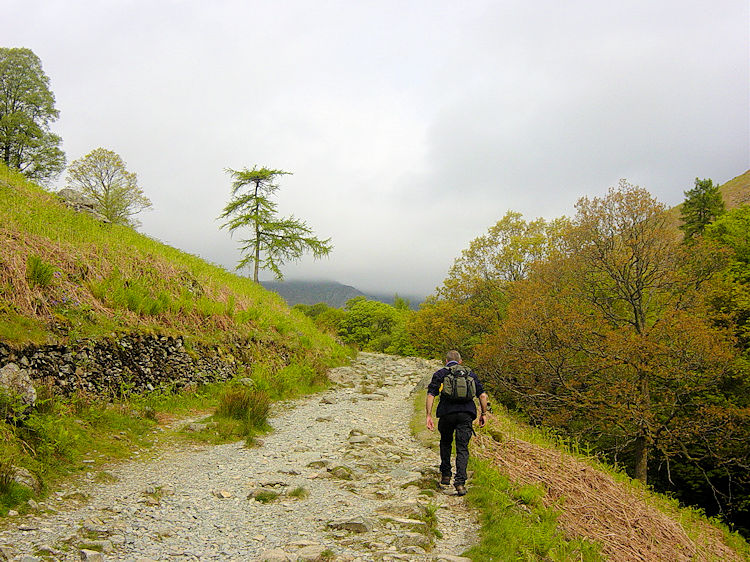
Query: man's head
453, 355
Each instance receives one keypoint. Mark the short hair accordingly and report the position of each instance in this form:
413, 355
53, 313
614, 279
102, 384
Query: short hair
453, 355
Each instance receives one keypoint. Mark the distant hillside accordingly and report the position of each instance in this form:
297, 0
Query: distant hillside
735, 192
330, 292
312, 292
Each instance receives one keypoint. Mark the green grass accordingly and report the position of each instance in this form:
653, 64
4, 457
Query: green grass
299, 493
515, 525
266, 496
65, 268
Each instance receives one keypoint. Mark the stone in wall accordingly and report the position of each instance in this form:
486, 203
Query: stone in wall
16, 382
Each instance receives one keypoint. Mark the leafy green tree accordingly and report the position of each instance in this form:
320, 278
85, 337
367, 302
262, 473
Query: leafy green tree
732, 229
27, 107
472, 300
276, 239
102, 175
702, 205
325, 317
375, 326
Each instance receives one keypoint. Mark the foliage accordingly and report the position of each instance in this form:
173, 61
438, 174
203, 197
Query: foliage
325, 317
442, 324
103, 176
702, 205
367, 324
375, 326
473, 298
27, 107
38, 272
278, 239
611, 339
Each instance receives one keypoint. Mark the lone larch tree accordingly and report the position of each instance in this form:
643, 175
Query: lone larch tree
272, 240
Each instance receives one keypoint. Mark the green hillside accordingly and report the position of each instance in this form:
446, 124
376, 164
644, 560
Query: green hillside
736, 191
66, 276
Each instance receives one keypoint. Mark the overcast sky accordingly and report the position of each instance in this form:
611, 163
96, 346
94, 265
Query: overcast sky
410, 127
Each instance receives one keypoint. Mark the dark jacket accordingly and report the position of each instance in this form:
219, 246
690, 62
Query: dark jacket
447, 406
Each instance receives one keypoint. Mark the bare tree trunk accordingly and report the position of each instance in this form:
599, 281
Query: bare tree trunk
641, 459
257, 259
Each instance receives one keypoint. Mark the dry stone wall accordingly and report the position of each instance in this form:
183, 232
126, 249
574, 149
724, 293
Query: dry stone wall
129, 363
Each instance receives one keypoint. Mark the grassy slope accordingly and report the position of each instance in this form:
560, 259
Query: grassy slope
110, 278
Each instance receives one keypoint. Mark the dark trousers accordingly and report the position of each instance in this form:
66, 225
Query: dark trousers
460, 424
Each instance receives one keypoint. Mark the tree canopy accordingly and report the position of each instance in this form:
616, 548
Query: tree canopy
611, 337
272, 241
27, 108
103, 176
702, 205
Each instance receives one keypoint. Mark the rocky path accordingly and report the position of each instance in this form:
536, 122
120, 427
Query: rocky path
339, 478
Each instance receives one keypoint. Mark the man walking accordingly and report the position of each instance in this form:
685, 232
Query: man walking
456, 412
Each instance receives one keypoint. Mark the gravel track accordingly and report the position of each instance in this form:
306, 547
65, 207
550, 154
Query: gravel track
352, 484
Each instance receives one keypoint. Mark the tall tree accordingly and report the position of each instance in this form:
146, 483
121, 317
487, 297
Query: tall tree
272, 240
702, 205
27, 107
472, 300
103, 176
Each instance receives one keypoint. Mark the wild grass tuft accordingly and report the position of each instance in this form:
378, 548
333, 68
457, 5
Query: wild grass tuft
299, 493
265, 496
7, 474
38, 272
245, 409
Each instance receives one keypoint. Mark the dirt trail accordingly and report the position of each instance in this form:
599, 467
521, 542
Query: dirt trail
339, 478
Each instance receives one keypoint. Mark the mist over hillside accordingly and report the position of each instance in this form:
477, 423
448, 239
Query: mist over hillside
332, 293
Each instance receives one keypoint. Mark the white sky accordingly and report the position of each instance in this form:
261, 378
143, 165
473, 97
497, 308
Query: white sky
410, 126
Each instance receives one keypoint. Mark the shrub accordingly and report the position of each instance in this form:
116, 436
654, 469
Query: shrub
246, 405
38, 272
7, 474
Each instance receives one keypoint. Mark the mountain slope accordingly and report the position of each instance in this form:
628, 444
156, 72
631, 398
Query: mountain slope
312, 292
332, 293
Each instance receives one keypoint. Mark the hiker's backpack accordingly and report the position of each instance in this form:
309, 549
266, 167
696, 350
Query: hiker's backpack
458, 384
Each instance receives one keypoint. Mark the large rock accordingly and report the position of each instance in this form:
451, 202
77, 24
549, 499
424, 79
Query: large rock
357, 524
73, 197
24, 477
15, 381
274, 555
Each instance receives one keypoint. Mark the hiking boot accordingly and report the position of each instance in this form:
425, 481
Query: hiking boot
460, 490
445, 480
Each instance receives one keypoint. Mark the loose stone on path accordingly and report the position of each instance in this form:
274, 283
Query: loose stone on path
339, 478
